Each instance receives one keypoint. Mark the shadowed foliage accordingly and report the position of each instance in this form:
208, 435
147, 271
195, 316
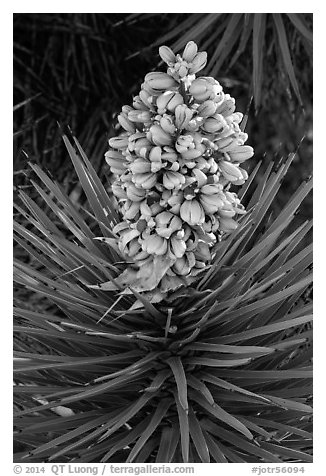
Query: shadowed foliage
221, 370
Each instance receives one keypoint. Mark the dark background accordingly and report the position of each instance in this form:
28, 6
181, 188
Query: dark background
79, 69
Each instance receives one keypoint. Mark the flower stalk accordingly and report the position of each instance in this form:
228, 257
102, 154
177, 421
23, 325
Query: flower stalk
173, 166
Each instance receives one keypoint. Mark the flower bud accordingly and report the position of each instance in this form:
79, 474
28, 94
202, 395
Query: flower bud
190, 51
167, 54
116, 161
118, 191
119, 142
136, 143
133, 248
155, 209
155, 159
135, 194
225, 142
162, 219
226, 212
167, 223
172, 180
227, 225
146, 181
169, 100
181, 266
155, 244
202, 251
201, 178
140, 166
159, 136
182, 116
181, 68
192, 212
211, 189
241, 153
138, 104
211, 203
207, 108
177, 246
131, 209
126, 123
215, 124
184, 143
236, 118
159, 82
230, 171
227, 107
198, 63
146, 98
167, 124
145, 210
204, 88
139, 116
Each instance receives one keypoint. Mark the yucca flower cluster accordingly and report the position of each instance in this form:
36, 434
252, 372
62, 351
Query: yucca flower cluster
181, 150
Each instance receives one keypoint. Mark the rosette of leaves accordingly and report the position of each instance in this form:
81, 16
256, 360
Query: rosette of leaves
218, 372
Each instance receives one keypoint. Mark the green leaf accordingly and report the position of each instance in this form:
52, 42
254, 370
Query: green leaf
217, 362
285, 51
299, 22
259, 30
223, 415
180, 379
287, 452
198, 437
184, 428
226, 42
214, 449
159, 414
240, 443
90, 191
259, 331
169, 440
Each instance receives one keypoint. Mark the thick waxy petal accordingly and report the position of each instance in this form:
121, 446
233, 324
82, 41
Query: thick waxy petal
168, 101
190, 51
211, 203
159, 82
140, 166
126, 123
201, 178
167, 54
241, 153
139, 116
116, 161
227, 225
198, 63
173, 180
181, 266
182, 116
207, 108
155, 244
146, 180
211, 189
135, 194
119, 142
177, 246
230, 171
159, 136
192, 212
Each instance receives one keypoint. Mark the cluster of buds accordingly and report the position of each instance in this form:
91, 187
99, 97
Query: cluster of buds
181, 150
